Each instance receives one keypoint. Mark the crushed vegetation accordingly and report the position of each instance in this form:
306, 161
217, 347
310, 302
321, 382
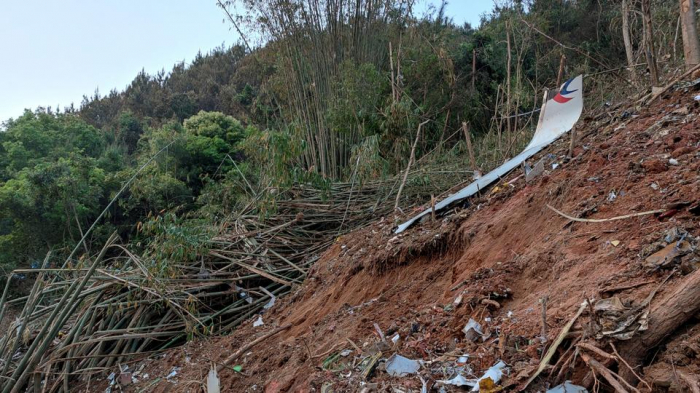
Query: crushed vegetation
259, 252
504, 279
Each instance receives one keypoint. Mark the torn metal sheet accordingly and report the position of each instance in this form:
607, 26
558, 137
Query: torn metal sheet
567, 387
557, 117
399, 366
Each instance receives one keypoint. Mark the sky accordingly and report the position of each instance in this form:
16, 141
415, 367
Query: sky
54, 52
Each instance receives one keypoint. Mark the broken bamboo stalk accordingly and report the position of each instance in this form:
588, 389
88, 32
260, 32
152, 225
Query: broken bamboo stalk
607, 374
408, 167
604, 219
555, 345
470, 148
668, 86
250, 345
560, 75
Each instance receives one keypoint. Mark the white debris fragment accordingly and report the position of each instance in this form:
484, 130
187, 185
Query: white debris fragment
399, 366
472, 330
396, 338
213, 381
495, 373
458, 381
258, 322
567, 387
270, 303
673, 161
173, 373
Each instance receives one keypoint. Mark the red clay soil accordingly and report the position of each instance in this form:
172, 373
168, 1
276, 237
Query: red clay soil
507, 247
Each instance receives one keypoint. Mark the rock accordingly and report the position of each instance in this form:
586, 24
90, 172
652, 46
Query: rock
654, 165
125, 379
681, 151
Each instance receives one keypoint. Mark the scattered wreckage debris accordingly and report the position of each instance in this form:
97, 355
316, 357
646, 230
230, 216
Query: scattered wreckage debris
567, 387
399, 366
492, 262
91, 315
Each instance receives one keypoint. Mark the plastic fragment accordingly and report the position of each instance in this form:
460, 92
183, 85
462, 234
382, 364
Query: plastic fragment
258, 322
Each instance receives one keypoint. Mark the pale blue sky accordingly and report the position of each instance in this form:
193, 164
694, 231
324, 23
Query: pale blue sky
54, 52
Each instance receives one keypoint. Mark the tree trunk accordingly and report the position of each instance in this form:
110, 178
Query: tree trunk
560, 74
649, 42
691, 46
666, 315
473, 70
628, 40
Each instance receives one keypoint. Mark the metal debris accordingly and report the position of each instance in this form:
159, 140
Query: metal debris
458, 380
567, 387
613, 304
258, 322
472, 331
399, 366
554, 122
213, 381
495, 373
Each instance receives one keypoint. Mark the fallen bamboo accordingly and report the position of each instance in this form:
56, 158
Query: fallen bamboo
626, 216
126, 307
250, 345
553, 348
607, 374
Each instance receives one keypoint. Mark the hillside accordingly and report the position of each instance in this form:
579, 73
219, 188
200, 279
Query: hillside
492, 262
240, 218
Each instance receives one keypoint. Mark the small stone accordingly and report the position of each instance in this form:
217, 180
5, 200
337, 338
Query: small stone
654, 166
125, 379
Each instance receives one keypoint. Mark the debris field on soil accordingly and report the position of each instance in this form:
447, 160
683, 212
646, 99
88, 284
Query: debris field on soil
499, 288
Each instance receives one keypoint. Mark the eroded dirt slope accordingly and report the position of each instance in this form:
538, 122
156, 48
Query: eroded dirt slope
492, 261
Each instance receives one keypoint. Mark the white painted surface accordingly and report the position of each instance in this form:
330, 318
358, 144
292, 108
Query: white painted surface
556, 120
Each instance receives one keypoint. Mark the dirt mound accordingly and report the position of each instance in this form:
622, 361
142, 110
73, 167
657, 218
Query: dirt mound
492, 261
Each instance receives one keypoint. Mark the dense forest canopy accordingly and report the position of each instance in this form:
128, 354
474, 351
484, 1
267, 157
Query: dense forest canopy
335, 92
